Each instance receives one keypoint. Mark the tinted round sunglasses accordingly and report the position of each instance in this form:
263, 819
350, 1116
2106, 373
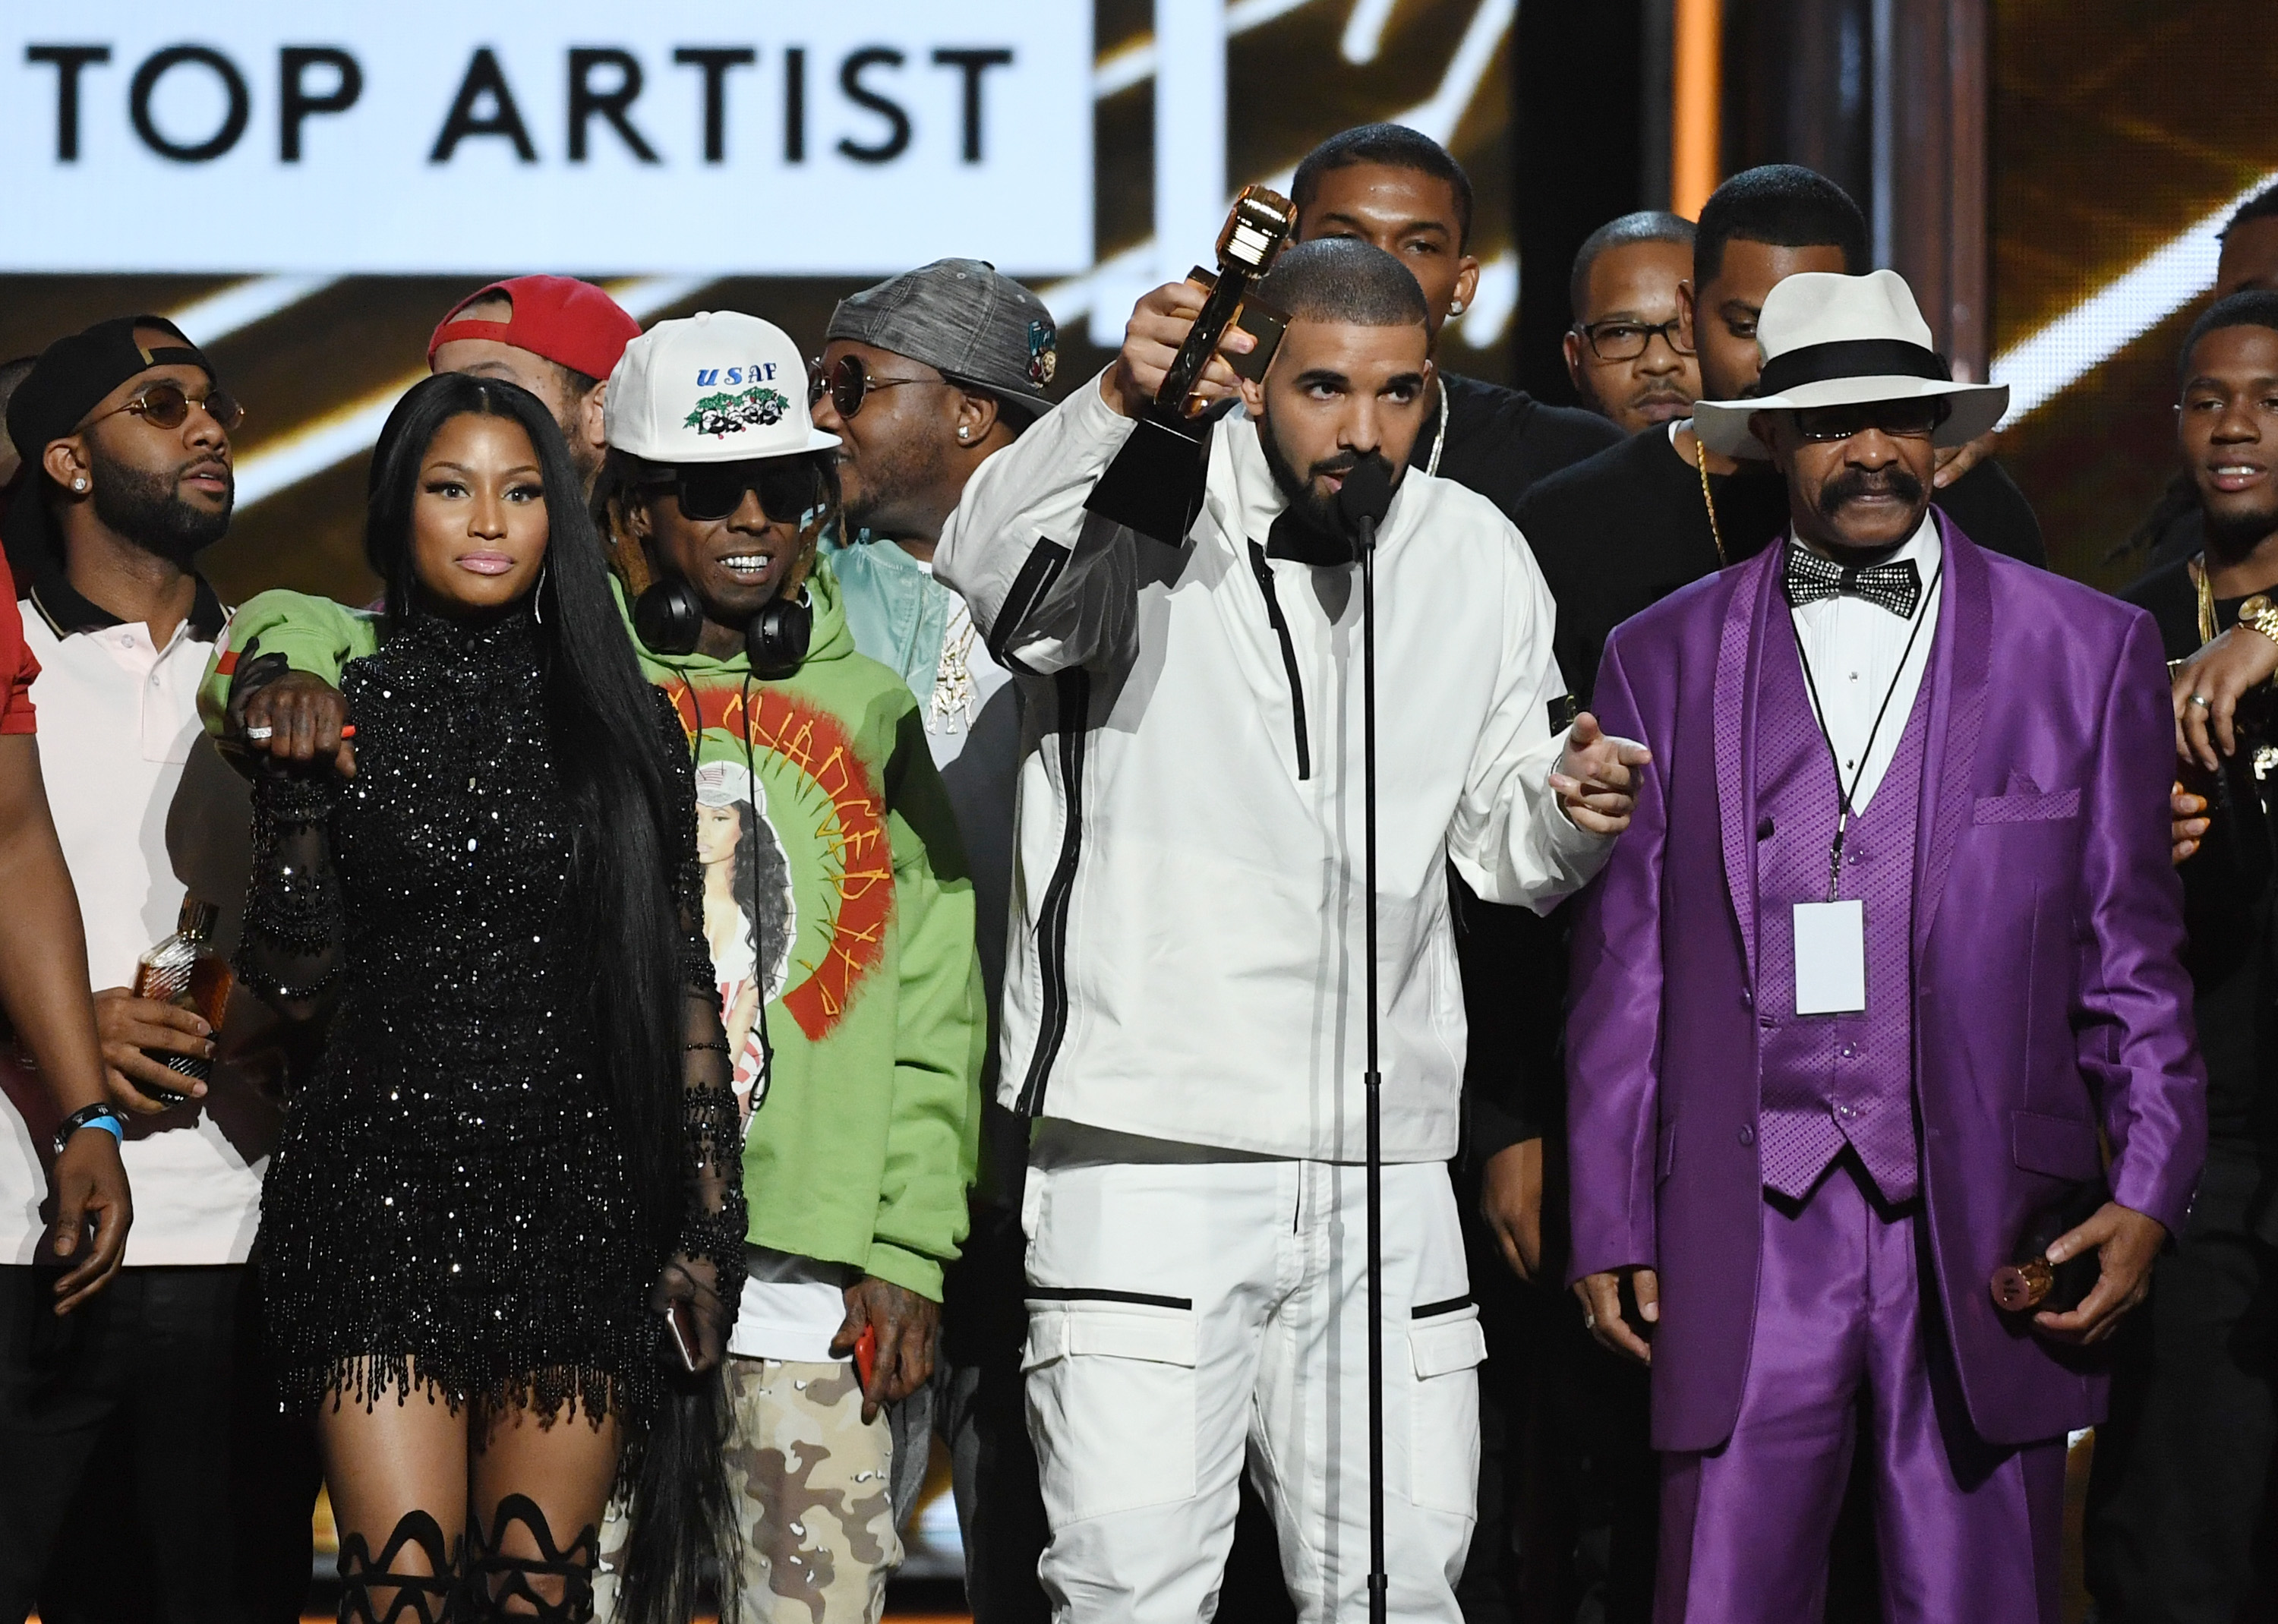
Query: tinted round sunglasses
167, 405
848, 383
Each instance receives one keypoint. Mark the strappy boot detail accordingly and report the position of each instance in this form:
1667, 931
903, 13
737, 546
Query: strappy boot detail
430, 1598
504, 1586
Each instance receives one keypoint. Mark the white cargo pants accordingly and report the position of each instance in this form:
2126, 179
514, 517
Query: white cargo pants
1185, 1316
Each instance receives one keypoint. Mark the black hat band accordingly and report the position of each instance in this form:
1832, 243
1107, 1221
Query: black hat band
1849, 358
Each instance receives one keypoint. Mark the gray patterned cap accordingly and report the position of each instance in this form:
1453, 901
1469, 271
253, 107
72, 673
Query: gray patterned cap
966, 320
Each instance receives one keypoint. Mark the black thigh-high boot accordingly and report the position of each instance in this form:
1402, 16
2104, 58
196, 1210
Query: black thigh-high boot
430, 1598
503, 1586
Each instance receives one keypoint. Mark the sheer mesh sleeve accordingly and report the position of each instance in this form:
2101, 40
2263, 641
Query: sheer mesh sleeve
294, 939
714, 1224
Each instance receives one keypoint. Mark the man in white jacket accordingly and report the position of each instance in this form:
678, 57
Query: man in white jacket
1184, 995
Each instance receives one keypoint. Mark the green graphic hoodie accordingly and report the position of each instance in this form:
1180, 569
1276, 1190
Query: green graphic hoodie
850, 926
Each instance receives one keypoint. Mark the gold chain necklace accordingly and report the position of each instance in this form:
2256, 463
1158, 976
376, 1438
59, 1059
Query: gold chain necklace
2205, 581
1716, 533
1440, 440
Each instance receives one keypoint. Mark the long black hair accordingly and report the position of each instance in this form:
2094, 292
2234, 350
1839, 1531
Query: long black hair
610, 748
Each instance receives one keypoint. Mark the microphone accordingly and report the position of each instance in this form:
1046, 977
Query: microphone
1363, 499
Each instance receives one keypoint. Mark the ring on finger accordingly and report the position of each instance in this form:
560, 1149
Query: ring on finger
1589, 1321
259, 734
2200, 700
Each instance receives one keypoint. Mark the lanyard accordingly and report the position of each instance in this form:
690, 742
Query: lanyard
1819, 714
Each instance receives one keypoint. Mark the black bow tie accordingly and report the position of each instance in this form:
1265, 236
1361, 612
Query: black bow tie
1300, 543
1810, 578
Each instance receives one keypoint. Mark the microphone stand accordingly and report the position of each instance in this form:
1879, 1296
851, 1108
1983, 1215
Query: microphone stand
1379, 1583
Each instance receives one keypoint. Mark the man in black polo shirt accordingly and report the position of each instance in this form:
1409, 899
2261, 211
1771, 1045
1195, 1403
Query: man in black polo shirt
1632, 524
1393, 186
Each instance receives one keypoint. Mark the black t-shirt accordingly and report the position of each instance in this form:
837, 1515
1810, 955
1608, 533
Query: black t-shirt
1620, 532
2227, 897
1500, 441
1513, 963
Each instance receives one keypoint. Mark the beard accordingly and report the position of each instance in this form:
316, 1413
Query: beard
1316, 509
148, 509
885, 495
2235, 534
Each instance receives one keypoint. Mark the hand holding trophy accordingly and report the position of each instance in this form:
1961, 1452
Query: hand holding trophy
1155, 484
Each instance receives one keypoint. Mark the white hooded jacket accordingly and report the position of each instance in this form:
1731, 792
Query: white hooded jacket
1184, 956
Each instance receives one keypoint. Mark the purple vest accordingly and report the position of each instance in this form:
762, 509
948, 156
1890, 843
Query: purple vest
1832, 1081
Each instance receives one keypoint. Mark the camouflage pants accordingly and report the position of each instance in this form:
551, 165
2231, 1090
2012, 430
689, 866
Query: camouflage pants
812, 1484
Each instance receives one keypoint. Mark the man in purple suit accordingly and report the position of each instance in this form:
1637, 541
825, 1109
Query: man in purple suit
1887, 963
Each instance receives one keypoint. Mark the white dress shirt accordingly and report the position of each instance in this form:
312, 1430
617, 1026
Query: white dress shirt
1853, 649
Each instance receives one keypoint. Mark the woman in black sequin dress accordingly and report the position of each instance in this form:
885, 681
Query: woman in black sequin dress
519, 1156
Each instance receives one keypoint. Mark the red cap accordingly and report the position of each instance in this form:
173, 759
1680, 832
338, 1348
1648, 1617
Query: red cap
571, 322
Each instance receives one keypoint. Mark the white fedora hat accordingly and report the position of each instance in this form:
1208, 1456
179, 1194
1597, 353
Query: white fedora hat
1836, 340
718, 386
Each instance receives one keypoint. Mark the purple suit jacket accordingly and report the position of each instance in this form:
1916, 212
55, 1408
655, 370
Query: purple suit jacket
2050, 995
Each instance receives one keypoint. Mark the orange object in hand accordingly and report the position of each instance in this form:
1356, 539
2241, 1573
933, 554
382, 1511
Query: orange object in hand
865, 1355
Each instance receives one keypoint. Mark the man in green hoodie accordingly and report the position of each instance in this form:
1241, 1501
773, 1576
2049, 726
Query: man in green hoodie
839, 913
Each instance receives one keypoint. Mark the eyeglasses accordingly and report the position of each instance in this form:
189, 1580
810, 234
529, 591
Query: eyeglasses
1911, 420
848, 382
1626, 341
166, 406
789, 488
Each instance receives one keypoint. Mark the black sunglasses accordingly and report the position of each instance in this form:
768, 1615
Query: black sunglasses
848, 382
789, 488
1915, 419
167, 405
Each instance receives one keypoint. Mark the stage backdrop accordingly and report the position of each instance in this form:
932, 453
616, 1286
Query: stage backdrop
2123, 134
307, 188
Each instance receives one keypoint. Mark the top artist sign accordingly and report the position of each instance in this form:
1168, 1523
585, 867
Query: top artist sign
663, 137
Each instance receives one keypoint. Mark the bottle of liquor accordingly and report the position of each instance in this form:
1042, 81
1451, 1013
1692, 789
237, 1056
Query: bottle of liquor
186, 972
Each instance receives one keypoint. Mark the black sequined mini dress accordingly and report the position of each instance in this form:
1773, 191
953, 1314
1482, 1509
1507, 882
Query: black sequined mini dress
452, 1205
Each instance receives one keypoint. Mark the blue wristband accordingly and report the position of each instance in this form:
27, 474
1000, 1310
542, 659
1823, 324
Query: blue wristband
104, 1116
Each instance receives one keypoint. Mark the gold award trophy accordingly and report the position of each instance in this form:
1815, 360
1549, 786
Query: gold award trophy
1155, 484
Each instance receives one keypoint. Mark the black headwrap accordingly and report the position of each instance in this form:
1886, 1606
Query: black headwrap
70, 380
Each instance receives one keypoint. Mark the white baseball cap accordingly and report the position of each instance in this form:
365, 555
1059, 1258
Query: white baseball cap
717, 387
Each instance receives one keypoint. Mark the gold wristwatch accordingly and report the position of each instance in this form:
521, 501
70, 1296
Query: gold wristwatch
2260, 613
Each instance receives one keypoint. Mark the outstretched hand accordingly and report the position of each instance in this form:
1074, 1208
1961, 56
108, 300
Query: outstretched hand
1597, 778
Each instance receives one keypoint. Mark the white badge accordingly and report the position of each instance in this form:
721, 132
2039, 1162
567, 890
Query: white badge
1831, 958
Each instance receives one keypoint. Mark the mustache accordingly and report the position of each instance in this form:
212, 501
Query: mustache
1853, 484
1344, 463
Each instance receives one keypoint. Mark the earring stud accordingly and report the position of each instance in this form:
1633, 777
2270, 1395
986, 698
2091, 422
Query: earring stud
79, 485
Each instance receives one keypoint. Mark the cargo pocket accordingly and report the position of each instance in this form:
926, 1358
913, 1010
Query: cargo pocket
1111, 1391
1445, 1346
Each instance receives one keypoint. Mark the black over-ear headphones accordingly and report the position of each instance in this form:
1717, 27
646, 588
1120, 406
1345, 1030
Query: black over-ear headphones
670, 618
